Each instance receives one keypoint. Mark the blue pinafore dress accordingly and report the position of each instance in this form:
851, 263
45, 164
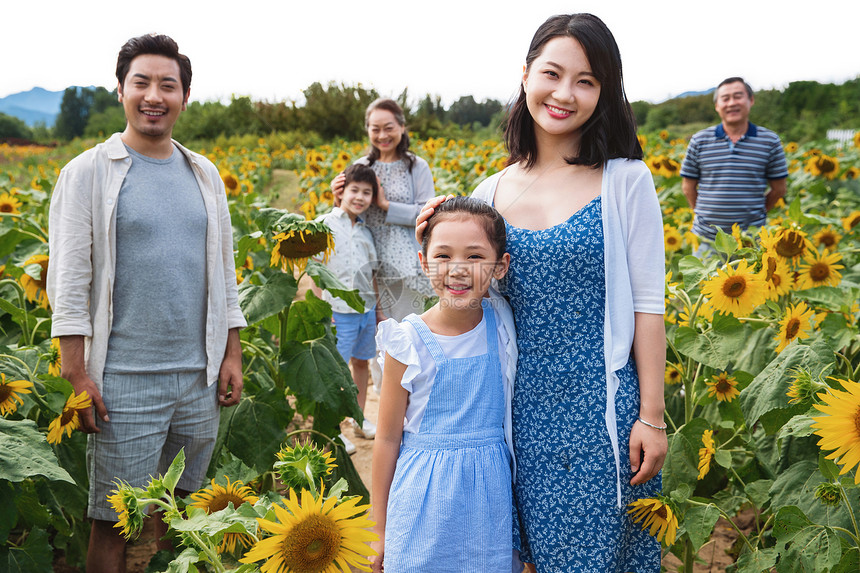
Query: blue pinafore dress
449, 507
566, 482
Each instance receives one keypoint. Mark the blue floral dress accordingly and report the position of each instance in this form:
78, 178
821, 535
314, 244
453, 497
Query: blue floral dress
565, 489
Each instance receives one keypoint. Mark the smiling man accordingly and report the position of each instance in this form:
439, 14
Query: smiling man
143, 289
734, 172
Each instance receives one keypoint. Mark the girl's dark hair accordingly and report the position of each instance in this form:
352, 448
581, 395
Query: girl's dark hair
157, 44
610, 132
389, 104
462, 207
361, 173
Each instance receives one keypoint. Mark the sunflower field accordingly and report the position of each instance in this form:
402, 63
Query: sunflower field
762, 371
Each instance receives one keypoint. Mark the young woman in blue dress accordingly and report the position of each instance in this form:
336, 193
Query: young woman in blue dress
586, 283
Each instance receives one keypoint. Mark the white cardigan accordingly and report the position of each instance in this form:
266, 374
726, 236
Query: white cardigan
634, 261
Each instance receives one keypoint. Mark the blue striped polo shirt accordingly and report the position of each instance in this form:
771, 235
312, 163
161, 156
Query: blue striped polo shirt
732, 177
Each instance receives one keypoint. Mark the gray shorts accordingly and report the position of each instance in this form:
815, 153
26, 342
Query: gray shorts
152, 416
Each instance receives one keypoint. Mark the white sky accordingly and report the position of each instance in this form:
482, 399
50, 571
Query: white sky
272, 49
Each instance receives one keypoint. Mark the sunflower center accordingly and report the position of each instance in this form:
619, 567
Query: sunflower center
792, 328
857, 421
6, 208
819, 271
776, 280
827, 239
790, 244
662, 513
671, 240
734, 286
825, 165
5, 392
311, 545
853, 222
68, 415
296, 248
722, 386
220, 501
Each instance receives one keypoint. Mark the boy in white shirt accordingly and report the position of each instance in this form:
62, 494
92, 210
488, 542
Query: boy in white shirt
353, 263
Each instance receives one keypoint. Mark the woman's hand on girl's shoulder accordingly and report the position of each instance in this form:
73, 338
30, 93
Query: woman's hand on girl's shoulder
337, 187
427, 210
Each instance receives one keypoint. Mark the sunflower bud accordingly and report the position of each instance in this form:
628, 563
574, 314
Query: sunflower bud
829, 494
301, 466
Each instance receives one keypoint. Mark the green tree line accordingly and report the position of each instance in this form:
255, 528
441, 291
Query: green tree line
803, 111
327, 112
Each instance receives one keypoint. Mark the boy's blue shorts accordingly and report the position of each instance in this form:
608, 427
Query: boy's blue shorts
356, 334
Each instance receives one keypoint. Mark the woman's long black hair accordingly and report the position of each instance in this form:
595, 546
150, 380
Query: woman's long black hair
611, 130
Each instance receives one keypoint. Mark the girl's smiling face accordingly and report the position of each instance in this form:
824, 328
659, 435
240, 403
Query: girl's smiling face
561, 90
461, 262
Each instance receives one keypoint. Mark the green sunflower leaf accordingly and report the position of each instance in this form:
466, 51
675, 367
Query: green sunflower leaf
25, 453
765, 398
325, 279
34, 555
259, 302
699, 522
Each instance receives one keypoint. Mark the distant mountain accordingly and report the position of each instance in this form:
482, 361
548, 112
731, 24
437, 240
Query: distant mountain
34, 106
688, 94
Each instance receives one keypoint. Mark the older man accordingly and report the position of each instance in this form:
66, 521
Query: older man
734, 172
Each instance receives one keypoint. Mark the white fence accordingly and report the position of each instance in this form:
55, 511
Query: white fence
843, 136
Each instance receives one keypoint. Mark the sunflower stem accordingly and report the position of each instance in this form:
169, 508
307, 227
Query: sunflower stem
850, 512
311, 431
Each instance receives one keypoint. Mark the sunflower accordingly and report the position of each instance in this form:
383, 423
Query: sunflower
706, 453
299, 242
827, 238
673, 374
34, 288
851, 221
316, 535
735, 290
9, 204
231, 183
216, 499
298, 464
789, 244
823, 165
9, 394
851, 173
671, 238
664, 135
791, 147
796, 324
839, 428
657, 514
55, 359
723, 387
69, 420
669, 167
692, 240
857, 139
776, 275
819, 269
127, 508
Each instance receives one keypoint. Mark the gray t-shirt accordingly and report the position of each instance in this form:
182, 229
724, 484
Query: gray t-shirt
159, 293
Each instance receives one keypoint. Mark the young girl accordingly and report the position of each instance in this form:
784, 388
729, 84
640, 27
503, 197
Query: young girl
586, 284
441, 469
